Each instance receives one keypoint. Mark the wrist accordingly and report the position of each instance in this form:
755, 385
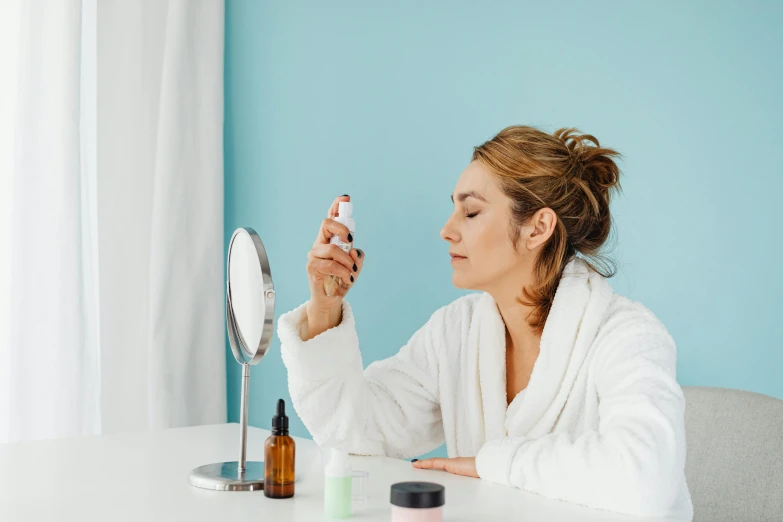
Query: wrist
321, 319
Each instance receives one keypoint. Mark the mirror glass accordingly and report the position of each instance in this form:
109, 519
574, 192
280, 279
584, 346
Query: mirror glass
246, 285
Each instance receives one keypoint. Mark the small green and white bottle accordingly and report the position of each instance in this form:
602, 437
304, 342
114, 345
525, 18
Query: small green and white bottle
337, 485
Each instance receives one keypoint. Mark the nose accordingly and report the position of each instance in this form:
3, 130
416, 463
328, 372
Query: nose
449, 231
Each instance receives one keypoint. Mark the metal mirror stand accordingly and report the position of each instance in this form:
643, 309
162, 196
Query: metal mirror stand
242, 475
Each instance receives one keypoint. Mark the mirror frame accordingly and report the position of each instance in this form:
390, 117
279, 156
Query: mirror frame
242, 352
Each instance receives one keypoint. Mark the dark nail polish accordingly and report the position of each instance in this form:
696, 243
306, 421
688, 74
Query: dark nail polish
344, 195
351, 279
350, 238
359, 253
354, 267
414, 460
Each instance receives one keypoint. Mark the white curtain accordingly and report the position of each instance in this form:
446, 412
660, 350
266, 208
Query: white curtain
117, 318
52, 360
9, 59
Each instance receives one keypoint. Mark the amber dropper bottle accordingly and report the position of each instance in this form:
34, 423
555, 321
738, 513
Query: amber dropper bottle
279, 455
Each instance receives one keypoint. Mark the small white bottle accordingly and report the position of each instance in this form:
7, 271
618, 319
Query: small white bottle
344, 212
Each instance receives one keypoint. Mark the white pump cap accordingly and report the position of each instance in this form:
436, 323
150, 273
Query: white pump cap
337, 465
344, 213
345, 209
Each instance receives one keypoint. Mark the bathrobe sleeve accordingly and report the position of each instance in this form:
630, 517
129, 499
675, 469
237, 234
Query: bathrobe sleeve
633, 462
392, 408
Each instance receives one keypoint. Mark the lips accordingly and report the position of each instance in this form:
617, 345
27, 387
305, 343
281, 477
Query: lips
456, 256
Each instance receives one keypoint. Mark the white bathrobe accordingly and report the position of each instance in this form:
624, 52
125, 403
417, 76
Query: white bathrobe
601, 422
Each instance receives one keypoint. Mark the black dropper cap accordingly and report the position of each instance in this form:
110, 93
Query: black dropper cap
280, 421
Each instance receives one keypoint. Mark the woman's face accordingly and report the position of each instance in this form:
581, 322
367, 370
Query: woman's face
479, 234
478, 231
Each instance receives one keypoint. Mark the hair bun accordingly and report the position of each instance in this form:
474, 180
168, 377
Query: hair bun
590, 163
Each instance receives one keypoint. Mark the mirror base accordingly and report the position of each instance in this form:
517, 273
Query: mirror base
225, 476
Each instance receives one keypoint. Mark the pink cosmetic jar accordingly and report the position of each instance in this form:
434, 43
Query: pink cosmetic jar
417, 502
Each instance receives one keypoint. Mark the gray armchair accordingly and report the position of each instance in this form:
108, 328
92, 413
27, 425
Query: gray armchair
734, 463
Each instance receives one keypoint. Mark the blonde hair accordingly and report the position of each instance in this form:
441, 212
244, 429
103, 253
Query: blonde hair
560, 171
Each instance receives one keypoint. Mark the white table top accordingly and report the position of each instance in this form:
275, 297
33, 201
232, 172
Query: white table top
143, 477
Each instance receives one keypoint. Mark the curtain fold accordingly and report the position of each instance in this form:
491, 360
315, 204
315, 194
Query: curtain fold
185, 326
53, 386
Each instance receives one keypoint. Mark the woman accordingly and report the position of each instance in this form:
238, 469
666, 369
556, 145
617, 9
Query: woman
545, 380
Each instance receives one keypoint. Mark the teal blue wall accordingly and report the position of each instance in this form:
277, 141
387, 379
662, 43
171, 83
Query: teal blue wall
384, 100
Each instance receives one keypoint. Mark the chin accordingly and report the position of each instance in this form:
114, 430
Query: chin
460, 281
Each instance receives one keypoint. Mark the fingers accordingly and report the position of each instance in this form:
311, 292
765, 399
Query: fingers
465, 466
430, 464
327, 251
323, 267
335, 204
329, 228
358, 258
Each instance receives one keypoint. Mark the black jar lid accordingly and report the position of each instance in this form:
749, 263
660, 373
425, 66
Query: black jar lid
420, 495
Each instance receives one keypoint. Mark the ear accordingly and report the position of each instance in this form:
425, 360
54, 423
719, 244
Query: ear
543, 225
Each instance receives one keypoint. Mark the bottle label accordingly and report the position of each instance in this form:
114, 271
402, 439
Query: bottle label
335, 240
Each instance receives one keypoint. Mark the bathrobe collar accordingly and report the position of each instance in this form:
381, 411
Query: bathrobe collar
581, 300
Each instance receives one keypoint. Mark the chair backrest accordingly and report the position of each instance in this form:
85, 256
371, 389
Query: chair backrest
734, 463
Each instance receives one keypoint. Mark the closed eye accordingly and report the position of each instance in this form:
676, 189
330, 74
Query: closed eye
472, 215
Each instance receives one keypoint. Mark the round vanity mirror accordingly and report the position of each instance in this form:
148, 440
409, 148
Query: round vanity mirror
250, 312
250, 297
